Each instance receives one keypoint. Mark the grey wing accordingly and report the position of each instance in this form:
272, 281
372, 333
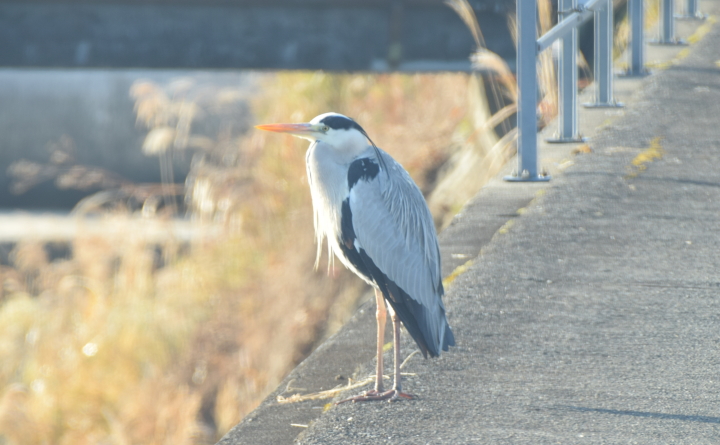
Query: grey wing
394, 228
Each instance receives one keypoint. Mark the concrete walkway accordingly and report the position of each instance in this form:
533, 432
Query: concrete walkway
590, 317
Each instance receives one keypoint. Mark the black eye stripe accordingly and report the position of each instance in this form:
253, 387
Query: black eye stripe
341, 123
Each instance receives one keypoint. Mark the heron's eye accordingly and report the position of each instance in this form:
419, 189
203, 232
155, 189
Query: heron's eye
325, 128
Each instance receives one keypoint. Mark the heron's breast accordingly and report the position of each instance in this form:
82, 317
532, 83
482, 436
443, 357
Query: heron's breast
328, 185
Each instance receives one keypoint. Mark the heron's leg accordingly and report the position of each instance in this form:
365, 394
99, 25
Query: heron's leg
397, 385
378, 393
381, 316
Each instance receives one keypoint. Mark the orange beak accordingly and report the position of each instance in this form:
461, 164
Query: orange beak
294, 129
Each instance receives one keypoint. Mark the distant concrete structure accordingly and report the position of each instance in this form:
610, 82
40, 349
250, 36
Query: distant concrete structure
88, 114
345, 35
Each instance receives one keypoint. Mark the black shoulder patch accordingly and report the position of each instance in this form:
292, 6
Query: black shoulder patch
342, 123
363, 168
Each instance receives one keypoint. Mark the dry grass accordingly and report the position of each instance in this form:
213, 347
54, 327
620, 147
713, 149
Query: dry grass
479, 153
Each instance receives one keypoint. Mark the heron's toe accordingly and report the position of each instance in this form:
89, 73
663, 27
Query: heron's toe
392, 395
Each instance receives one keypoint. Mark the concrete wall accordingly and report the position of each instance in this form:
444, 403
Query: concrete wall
92, 108
315, 34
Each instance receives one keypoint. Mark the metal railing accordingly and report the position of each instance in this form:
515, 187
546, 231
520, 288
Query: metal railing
572, 14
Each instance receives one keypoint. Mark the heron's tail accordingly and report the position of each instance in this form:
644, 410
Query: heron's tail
430, 330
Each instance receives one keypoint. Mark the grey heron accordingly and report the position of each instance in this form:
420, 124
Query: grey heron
378, 225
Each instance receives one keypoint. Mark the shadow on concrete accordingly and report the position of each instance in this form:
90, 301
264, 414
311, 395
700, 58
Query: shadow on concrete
694, 69
620, 412
644, 178
682, 181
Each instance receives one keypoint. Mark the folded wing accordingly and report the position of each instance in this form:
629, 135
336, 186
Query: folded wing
395, 238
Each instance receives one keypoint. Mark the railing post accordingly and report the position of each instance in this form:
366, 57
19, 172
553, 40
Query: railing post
637, 39
667, 31
692, 12
527, 93
668, 22
567, 80
603, 70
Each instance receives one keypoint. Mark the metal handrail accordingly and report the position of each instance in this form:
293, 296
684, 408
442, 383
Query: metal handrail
529, 46
580, 14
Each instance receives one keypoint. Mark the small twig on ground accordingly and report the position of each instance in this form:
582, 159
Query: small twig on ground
330, 393
327, 394
289, 387
408, 358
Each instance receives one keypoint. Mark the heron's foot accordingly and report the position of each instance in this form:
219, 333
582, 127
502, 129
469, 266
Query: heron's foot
391, 396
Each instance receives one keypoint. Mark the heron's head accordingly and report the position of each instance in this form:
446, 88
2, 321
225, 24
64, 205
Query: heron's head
338, 131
